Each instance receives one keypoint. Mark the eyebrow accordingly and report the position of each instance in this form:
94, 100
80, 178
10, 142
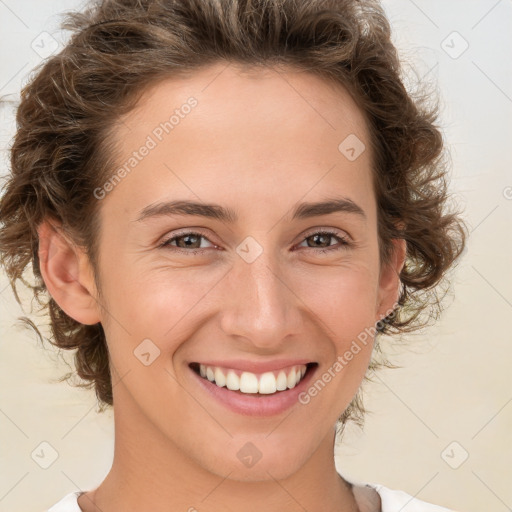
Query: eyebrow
218, 212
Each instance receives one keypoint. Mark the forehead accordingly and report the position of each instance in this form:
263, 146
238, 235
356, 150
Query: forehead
273, 132
229, 93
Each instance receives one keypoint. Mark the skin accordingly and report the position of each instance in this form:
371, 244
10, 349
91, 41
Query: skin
260, 143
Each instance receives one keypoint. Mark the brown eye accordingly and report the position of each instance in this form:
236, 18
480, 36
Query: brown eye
321, 241
188, 242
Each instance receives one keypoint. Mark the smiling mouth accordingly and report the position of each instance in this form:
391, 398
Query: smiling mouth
248, 383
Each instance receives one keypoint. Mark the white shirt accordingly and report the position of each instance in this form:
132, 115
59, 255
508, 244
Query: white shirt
392, 501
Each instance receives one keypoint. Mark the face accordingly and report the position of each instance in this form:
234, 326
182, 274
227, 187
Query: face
273, 283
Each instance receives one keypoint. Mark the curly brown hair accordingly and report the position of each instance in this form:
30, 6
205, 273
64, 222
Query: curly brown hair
119, 48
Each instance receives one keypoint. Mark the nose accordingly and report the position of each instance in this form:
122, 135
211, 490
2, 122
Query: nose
261, 305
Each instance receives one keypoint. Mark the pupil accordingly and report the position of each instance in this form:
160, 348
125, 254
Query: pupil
316, 237
187, 238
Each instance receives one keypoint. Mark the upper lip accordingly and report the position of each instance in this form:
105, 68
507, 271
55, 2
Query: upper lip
255, 366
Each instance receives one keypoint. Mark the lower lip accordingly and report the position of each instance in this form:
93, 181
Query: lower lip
261, 405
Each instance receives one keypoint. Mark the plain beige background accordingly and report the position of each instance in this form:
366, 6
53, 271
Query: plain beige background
440, 428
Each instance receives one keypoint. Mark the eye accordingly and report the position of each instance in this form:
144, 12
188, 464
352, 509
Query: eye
190, 242
185, 241
319, 237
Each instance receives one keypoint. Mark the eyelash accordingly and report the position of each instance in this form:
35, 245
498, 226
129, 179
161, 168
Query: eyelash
344, 242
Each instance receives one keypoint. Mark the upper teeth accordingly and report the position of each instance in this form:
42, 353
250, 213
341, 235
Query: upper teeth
247, 382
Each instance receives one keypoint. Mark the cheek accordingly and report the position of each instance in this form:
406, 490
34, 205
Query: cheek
166, 305
162, 305
342, 297
343, 302
159, 298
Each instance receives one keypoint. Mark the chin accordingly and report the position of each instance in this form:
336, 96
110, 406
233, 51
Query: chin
243, 461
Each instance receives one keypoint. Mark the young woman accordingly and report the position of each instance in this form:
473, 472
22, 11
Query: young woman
227, 202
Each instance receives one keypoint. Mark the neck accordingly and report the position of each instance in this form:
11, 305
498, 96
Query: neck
150, 472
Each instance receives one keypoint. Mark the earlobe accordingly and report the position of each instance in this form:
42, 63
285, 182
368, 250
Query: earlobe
389, 280
64, 268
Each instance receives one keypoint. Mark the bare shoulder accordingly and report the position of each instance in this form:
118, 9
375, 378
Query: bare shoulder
86, 502
367, 498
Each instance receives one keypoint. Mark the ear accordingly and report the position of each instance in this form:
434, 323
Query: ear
67, 273
389, 279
